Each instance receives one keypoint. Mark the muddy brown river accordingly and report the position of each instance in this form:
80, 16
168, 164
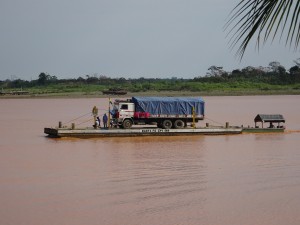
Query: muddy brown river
246, 179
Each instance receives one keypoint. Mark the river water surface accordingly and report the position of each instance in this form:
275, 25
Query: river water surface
246, 179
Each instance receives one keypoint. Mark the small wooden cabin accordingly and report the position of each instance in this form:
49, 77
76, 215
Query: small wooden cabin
269, 118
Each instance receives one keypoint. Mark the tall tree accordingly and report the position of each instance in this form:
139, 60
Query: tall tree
43, 77
263, 19
215, 71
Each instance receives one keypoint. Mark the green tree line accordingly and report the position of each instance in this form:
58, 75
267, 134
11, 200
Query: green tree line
270, 77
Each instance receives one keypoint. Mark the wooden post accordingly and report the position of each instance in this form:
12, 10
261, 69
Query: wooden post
59, 124
207, 124
108, 124
193, 125
227, 124
73, 126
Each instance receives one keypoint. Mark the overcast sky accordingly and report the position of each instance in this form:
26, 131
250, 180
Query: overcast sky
122, 38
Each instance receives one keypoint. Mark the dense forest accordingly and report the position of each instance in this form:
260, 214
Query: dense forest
273, 77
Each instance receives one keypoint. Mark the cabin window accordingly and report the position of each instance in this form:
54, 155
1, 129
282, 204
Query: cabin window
125, 107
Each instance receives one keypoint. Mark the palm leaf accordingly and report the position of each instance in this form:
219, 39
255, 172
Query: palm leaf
263, 19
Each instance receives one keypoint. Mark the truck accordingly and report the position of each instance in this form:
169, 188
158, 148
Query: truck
165, 112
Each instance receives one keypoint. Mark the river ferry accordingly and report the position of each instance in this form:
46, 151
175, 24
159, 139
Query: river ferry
157, 116
154, 131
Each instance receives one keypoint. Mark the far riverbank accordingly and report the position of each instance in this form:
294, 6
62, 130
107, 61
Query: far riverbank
99, 94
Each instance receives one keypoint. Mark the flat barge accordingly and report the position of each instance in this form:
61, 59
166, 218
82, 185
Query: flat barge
114, 132
155, 131
263, 130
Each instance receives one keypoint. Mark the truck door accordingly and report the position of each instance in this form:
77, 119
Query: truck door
126, 110
123, 110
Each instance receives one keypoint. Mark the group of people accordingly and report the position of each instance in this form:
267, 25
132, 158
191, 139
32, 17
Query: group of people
98, 121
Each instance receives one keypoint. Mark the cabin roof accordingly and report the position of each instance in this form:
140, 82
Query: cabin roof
274, 118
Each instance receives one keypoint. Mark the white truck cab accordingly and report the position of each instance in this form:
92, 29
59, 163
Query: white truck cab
124, 111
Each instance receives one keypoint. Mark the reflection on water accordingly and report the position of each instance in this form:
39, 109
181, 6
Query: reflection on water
270, 137
231, 179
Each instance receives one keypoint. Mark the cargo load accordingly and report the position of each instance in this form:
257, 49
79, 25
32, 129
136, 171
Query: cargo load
169, 105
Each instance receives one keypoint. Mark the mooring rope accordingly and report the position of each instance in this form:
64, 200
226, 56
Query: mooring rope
85, 121
76, 118
214, 121
89, 113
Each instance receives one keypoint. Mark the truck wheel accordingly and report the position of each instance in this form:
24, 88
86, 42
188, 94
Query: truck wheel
167, 124
127, 124
178, 124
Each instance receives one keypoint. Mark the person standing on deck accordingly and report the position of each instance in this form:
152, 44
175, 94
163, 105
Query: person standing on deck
95, 115
104, 119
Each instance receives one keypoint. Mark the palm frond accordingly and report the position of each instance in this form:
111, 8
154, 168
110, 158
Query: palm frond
263, 19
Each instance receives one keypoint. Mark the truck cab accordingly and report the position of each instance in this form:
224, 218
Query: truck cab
123, 113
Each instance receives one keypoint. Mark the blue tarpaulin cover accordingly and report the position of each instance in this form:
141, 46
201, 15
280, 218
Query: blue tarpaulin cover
169, 105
